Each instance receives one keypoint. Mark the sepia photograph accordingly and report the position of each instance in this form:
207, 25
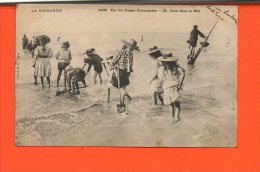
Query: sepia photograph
126, 75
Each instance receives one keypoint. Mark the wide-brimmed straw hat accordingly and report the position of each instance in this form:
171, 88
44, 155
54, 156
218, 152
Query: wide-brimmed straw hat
154, 49
44, 38
131, 43
168, 57
66, 44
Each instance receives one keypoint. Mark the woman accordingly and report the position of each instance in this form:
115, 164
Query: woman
172, 75
64, 57
42, 55
156, 84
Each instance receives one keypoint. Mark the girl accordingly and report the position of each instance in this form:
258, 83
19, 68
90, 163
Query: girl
95, 60
156, 84
173, 75
64, 57
42, 55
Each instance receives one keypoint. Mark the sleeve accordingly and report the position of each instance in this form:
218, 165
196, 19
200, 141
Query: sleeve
161, 74
36, 53
58, 55
70, 56
131, 61
115, 60
90, 65
50, 54
201, 34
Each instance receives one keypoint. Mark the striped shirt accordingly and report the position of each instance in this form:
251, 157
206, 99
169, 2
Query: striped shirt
124, 59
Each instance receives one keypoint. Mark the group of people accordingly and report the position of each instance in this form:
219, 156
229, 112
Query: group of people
167, 75
30, 45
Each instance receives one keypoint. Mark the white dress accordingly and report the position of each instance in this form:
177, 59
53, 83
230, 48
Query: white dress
42, 58
170, 84
156, 85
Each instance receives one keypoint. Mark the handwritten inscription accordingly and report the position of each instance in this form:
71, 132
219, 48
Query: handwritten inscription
222, 14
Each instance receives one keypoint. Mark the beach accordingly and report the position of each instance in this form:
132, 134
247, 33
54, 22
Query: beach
208, 101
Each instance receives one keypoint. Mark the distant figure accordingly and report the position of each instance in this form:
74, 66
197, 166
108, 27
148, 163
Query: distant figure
25, 41
42, 55
93, 59
64, 57
30, 46
172, 76
58, 39
194, 38
142, 39
74, 76
156, 84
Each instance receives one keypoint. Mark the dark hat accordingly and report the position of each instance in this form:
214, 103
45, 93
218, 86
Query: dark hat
90, 50
168, 57
65, 44
153, 49
44, 38
132, 43
195, 26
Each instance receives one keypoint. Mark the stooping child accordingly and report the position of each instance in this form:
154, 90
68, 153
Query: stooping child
172, 76
74, 76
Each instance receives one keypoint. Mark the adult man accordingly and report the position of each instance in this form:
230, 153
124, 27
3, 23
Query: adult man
194, 38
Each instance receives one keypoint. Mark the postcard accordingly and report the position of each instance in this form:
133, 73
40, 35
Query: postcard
126, 75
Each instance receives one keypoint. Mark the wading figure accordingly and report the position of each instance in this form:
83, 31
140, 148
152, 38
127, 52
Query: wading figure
42, 55
75, 75
121, 66
193, 39
156, 84
172, 75
25, 42
64, 57
93, 59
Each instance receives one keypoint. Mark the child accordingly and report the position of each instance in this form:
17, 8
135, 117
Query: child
64, 57
173, 75
75, 75
155, 83
95, 60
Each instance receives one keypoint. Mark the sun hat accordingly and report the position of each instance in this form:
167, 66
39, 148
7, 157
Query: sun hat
132, 43
168, 57
65, 44
44, 38
154, 49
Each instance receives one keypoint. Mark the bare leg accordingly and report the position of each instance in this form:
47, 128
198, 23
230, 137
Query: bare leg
160, 98
84, 83
73, 87
108, 94
77, 87
125, 94
65, 79
42, 82
155, 98
172, 109
100, 78
178, 109
35, 80
95, 77
49, 81
58, 78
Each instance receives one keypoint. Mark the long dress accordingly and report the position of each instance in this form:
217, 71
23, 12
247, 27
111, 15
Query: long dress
156, 85
42, 57
171, 80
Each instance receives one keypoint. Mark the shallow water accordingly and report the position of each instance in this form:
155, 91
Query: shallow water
209, 106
